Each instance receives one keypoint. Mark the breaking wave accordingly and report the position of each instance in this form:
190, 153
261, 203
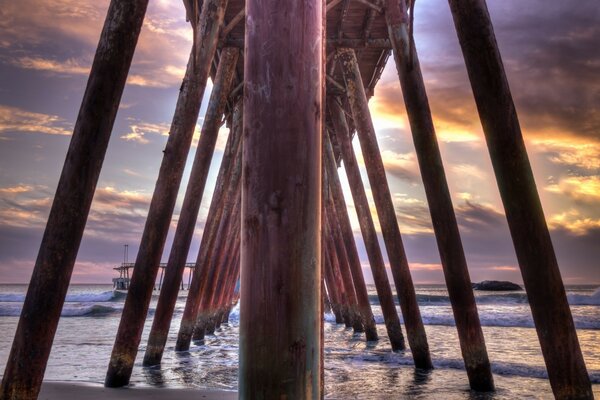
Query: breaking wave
107, 296
512, 298
584, 299
93, 310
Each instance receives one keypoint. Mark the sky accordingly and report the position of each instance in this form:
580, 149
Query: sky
551, 56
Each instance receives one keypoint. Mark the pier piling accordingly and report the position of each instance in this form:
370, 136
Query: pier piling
439, 201
191, 205
545, 289
340, 249
367, 227
223, 198
165, 194
341, 210
281, 316
48, 286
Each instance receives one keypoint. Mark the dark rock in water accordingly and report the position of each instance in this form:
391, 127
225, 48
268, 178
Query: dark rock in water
496, 286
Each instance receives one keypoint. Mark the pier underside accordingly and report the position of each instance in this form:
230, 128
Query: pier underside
292, 81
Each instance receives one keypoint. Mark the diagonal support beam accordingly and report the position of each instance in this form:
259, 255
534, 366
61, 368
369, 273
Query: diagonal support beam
58, 250
341, 211
219, 249
202, 271
163, 201
335, 291
341, 267
545, 289
233, 23
332, 288
367, 227
227, 239
191, 206
385, 209
340, 249
345, 295
445, 227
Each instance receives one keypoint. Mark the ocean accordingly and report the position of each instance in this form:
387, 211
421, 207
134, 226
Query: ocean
353, 369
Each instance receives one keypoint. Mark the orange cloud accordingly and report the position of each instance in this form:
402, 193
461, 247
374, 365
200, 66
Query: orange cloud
425, 267
69, 66
574, 222
12, 190
581, 188
570, 151
14, 119
504, 268
140, 129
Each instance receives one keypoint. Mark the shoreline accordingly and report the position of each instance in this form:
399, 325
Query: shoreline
60, 390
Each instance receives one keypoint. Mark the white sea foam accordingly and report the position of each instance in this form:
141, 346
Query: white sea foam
71, 298
79, 310
584, 299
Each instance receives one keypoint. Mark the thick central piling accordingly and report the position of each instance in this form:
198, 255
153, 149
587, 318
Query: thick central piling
281, 316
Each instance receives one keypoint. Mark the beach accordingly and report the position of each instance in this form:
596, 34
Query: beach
89, 391
353, 369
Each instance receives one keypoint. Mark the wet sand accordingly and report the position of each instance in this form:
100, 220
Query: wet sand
92, 391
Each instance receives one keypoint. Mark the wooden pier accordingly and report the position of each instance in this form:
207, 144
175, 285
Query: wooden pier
122, 282
292, 81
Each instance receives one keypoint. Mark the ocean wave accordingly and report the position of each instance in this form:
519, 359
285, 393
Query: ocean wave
11, 298
444, 300
502, 320
584, 299
575, 299
94, 310
107, 296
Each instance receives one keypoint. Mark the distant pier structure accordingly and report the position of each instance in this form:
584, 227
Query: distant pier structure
292, 80
124, 278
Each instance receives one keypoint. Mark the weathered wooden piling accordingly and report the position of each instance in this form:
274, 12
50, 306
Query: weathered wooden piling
45, 297
347, 305
326, 266
222, 249
191, 205
281, 316
367, 227
204, 270
346, 275
341, 209
332, 288
405, 290
545, 290
160, 213
231, 272
231, 290
439, 200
